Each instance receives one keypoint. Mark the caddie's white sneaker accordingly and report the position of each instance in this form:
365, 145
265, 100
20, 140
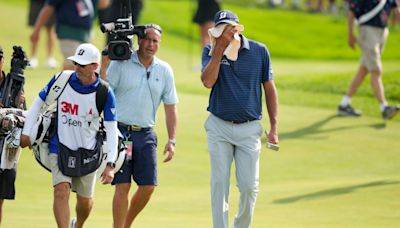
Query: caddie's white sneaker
33, 63
72, 223
51, 62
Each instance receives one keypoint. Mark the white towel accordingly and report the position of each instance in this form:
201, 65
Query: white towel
231, 52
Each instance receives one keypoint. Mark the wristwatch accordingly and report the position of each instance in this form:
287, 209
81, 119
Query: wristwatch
172, 141
111, 164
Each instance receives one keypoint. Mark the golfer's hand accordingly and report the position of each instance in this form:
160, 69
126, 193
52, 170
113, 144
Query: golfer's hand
169, 151
108, 175
272, 137
226, 37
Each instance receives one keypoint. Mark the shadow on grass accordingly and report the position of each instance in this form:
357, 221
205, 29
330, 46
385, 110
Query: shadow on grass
315, 128
333, 192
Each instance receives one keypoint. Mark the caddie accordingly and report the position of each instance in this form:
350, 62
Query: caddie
74, 147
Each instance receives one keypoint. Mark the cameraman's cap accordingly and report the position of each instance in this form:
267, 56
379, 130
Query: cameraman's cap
226, 16
86, 54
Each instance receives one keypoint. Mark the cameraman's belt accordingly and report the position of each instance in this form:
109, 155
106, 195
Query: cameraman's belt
133, 127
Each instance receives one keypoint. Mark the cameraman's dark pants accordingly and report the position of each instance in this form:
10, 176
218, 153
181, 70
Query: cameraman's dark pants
143, 165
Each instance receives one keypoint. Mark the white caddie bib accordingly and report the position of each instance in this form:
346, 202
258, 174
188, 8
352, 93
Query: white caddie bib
78, 119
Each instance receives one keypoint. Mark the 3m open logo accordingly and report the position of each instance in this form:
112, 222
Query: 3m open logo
69, 108
81, 51
71, 162
222, 15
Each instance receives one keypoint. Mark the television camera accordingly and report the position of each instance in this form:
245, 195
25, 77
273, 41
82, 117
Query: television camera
121, 32
10, 93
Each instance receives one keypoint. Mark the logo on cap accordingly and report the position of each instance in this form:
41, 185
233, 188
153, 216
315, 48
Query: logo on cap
222, 15
81, 52
86, 54
226, 16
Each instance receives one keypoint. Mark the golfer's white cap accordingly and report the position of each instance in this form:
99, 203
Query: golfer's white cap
86, 54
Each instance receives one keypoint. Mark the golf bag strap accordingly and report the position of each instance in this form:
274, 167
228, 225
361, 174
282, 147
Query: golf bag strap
56, 89
101, 95
59, 85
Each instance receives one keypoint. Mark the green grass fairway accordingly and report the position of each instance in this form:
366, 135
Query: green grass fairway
331, 172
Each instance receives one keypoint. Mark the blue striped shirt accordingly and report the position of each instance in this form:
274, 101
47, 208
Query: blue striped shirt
237, 93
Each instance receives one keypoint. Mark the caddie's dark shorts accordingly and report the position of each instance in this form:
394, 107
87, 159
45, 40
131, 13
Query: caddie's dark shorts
206, 10
7, 183
143, 166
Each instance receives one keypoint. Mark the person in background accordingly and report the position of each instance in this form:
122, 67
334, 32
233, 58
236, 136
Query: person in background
34, 8
373, 33
204, 16
140, 84
74, 19
237, 70
315, 6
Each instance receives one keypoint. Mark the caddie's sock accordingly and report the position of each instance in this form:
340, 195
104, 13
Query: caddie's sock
346, 100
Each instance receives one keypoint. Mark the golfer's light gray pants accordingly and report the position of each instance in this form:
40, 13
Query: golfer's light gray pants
242, 143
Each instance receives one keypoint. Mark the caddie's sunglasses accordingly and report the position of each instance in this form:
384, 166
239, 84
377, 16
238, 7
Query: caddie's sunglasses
77, 64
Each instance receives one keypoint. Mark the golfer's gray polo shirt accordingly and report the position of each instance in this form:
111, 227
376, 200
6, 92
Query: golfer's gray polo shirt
236, 95
138, 96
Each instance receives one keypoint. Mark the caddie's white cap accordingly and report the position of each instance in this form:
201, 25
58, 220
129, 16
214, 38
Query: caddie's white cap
86, 54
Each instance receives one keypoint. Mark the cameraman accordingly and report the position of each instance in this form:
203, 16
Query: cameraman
140, 84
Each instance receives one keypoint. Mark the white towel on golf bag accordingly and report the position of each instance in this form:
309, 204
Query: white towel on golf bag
10, 150
231, 52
